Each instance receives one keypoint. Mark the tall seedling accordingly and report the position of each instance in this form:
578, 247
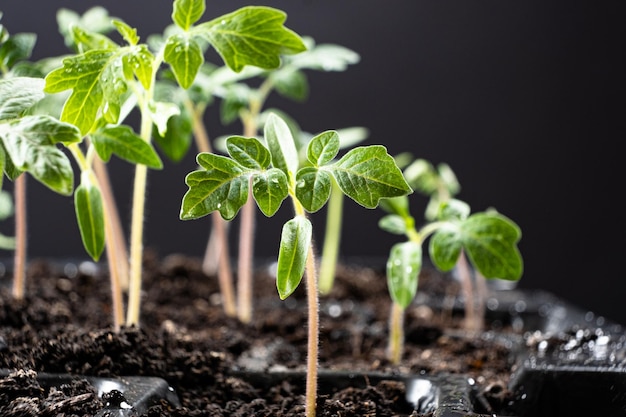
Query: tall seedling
271, 171
243, 97
106, 77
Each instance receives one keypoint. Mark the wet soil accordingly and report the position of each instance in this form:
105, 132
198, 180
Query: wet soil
64, 326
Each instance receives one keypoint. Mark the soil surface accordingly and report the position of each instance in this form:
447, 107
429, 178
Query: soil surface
64, 326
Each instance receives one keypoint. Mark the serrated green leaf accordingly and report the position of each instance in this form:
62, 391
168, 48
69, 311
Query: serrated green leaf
98, 82
368, 173
176, 141
17, 48
90, 216
126, 144
393, 223
252, 35
490, 240
113, 89
403, 269
249, 152
19, 94
185, 57
270, 188
222, 185
281, 145
323, 148
295, 243
187, 12
31, 144
313, 188
128, 33
82, 74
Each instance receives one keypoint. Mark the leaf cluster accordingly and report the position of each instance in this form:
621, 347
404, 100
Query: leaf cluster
272, 170
488, 238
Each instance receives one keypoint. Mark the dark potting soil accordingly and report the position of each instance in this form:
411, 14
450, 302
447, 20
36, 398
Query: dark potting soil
64, 326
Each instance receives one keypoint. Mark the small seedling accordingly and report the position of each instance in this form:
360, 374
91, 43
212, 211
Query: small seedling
243, 96
488, 239
271, 172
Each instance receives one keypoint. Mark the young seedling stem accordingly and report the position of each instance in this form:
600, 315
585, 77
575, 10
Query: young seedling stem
117, 261
19, 256
488, 238
332, 240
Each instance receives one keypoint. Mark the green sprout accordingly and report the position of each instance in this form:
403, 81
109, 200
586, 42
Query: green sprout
488, 240
270, 170
243, 96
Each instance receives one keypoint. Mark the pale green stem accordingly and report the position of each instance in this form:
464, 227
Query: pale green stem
136, 233
200, 135
313, 336
114, 273
139, 202
116, 241
395, 347
212, 252
428, 229
332, 238
225, 275
246, 250
19, 256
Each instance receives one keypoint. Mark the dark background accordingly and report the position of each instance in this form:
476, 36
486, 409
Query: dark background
524, 100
